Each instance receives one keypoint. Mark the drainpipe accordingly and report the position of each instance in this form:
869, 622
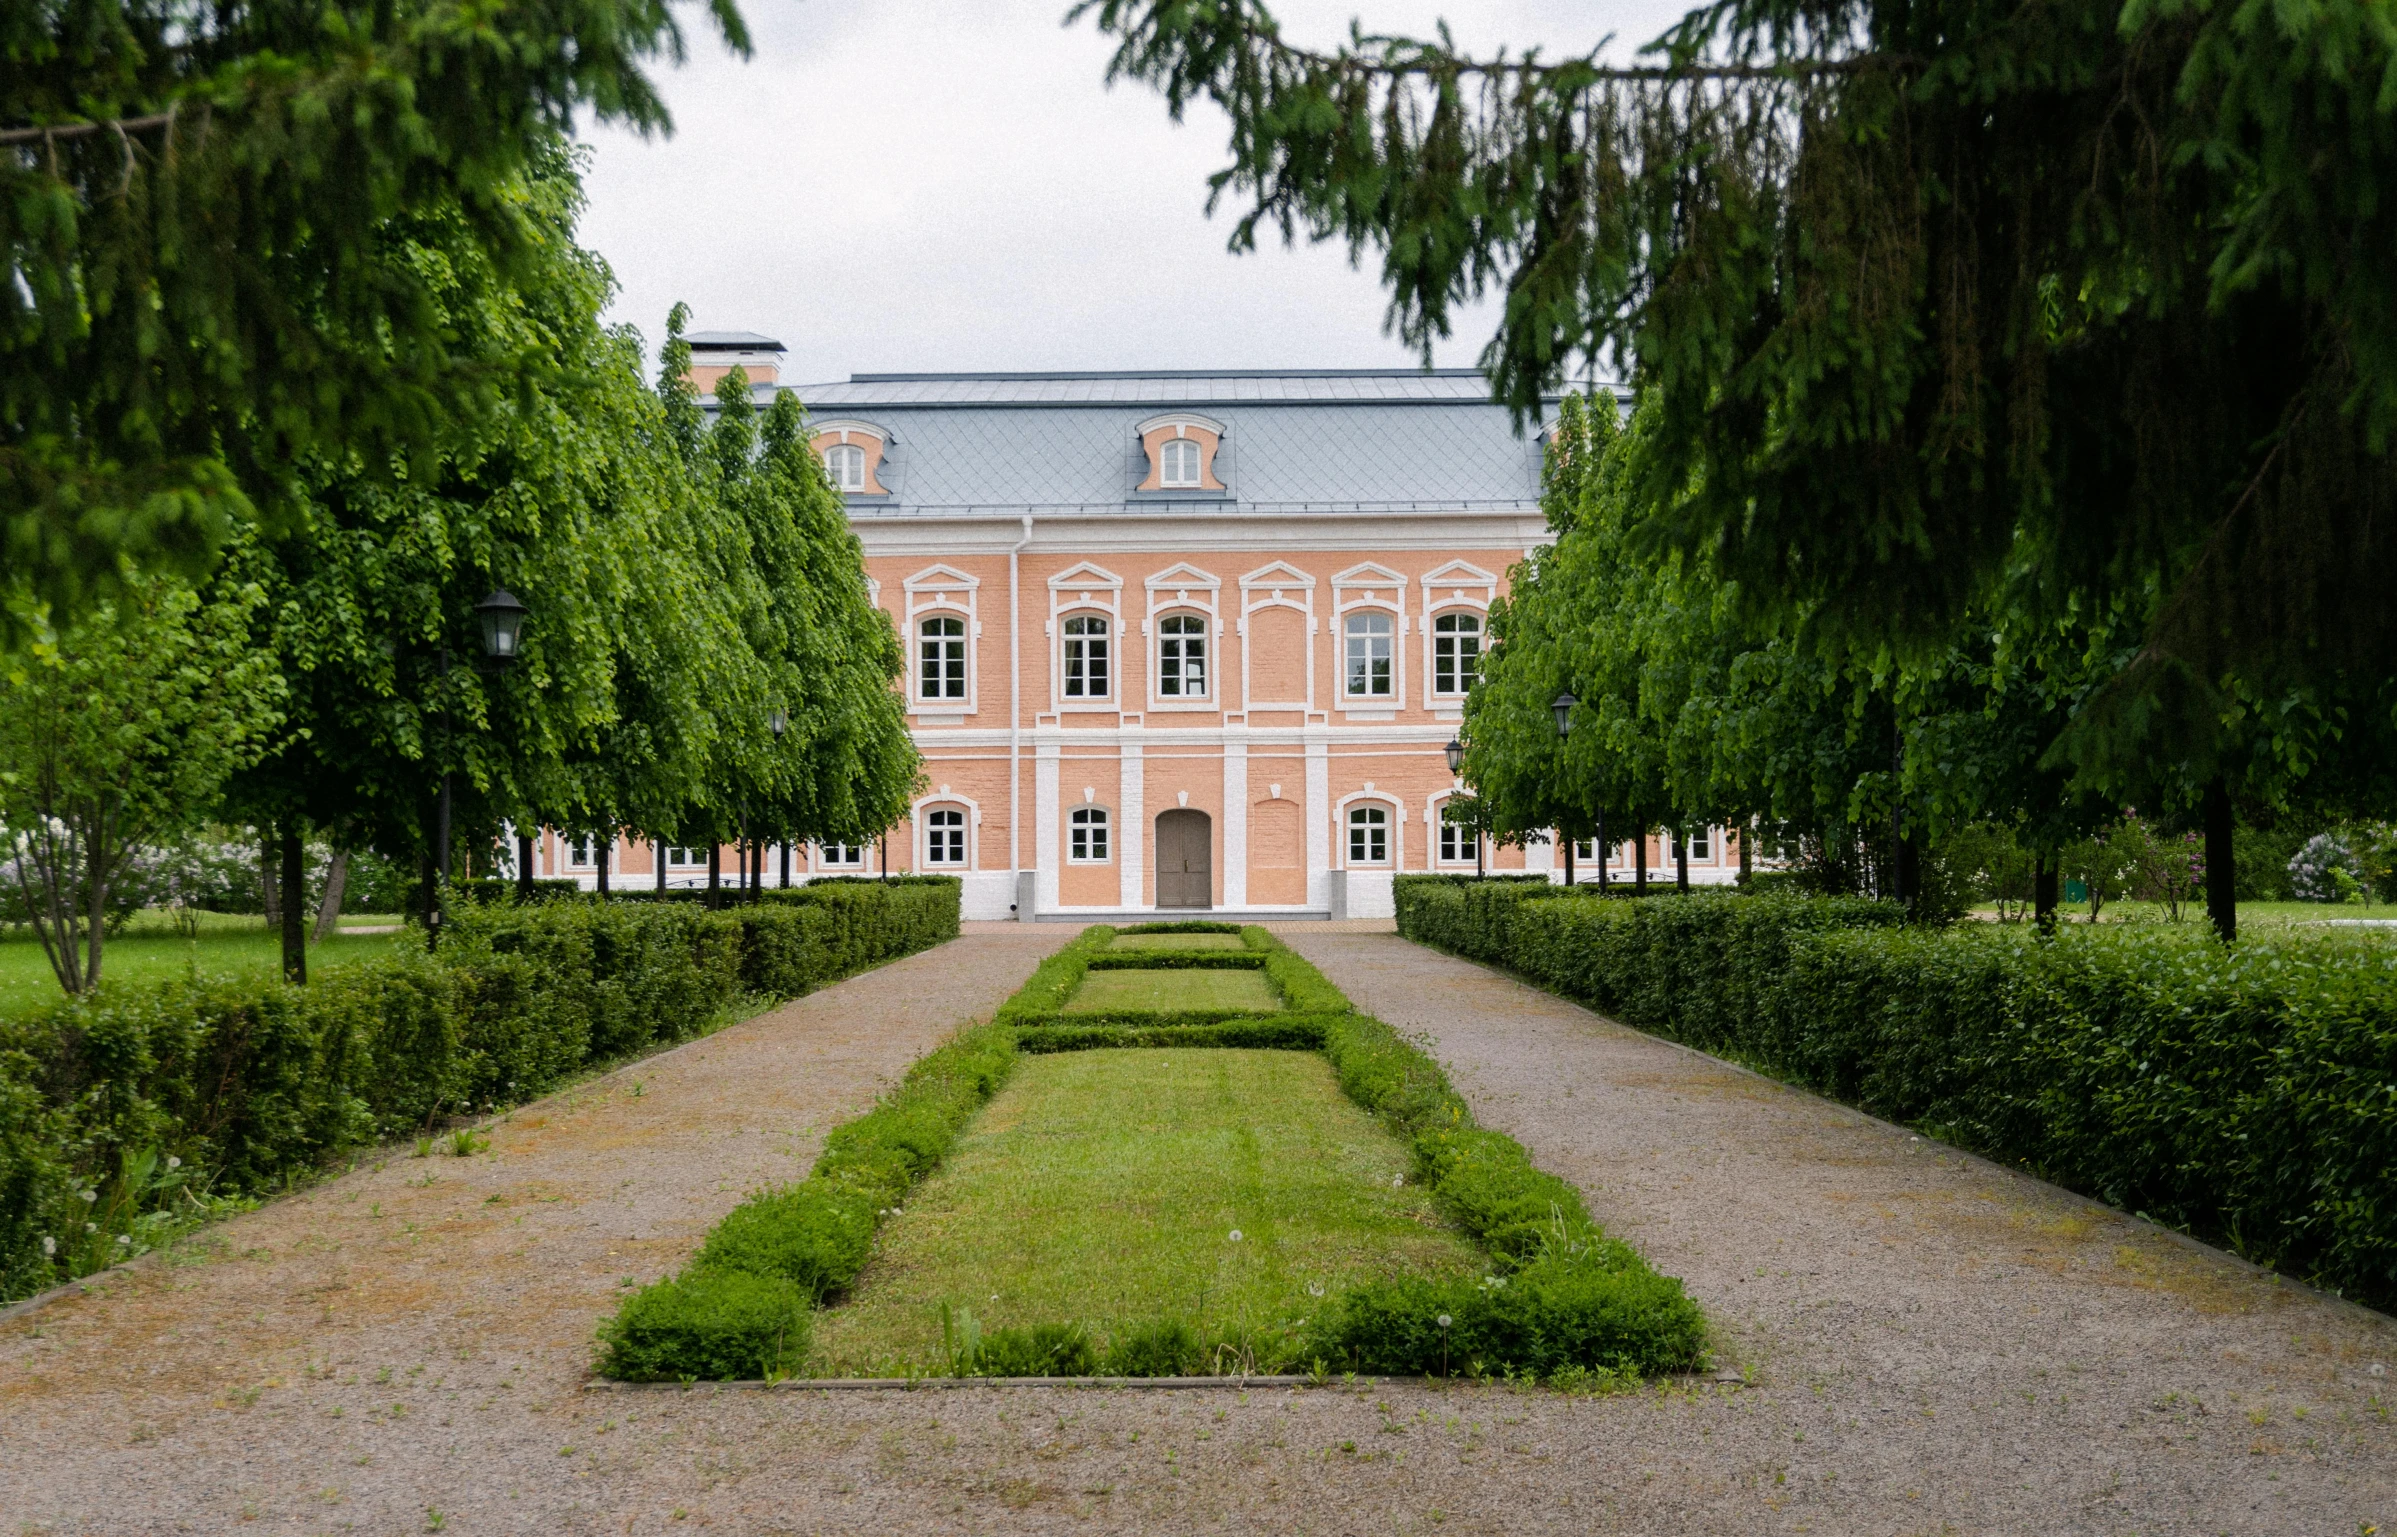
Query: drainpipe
1015, 717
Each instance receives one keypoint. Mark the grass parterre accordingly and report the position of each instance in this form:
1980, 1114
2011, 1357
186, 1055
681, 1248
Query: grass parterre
1403, 1240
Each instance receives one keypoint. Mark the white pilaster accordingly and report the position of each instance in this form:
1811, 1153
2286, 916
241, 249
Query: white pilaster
1235, 824
1131, 837
1319, 820
1044, 823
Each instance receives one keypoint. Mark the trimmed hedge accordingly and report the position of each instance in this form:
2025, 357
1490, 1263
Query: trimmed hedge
248, 1084
1561, 1297
2247, 1094
1117, 959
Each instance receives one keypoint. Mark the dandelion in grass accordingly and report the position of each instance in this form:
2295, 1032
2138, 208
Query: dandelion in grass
1235, 1235
49, 1246
91, 1227
172, 1162
89, 1196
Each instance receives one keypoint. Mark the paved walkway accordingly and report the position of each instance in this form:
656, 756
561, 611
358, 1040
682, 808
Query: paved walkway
1937, 1344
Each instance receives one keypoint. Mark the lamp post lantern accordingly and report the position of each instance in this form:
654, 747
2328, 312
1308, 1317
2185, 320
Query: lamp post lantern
500, 617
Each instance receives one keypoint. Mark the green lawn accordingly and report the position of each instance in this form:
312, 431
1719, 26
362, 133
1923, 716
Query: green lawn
1117, 991
1177, 942
2262, 915
1104, 1187
148, 950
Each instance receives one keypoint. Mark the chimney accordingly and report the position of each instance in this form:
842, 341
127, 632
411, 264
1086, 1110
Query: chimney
717, 353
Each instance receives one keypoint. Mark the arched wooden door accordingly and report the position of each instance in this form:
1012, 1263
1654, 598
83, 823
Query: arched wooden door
1185, 859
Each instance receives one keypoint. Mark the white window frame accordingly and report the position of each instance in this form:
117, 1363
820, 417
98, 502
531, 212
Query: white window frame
1075, 635
943, 798
943, 591
1370, 588
1440, 836
1179, 464
1355, 627
1087, 591
845, 466
1481, 637
1367, 816
1190, 625
1086, 825
1702, 846
823, 858
963, 641
1457, 587
1182, 591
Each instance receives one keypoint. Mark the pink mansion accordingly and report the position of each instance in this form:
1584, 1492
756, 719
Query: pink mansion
1176, 641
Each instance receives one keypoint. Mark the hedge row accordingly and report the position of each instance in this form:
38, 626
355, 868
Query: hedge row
237, 1086
1559, 1296
2247, 1093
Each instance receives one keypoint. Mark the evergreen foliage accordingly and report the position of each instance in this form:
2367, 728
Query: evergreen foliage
2075, 314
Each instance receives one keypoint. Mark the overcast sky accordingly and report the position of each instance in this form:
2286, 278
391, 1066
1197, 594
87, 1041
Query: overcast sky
950, 184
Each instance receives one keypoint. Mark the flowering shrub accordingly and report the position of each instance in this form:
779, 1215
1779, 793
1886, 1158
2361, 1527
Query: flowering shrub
2326, 870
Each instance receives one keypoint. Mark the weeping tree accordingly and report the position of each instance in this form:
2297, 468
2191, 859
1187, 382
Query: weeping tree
1936, 297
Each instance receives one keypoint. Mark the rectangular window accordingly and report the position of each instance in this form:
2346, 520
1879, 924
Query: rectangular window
579, 853
1085, 657
1368, 672
1456, 843
1086, 841
1182, 657
1368, 835
690, 856
942, 675
1585, 850
840, 855
1701, 846
1456, 652
944, 838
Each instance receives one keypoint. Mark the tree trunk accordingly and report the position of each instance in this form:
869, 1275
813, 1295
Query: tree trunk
715, 875
1598, 842
337, 882
1910, 873
295, 919
524, 867
2045, 879
1681, 861
424, 891
1747, 847
2222, 870
605, 850
657, 855
266, 878
1639, 863
786, 863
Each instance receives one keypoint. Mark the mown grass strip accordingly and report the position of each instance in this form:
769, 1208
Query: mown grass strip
1552, 1296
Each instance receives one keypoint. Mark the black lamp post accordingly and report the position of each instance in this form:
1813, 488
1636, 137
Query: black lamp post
500, 617
1455, 753
778, 722
1562, 707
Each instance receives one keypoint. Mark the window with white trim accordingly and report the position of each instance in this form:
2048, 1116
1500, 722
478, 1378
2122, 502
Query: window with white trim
1182, 657
840, 856
941, 652
1086, 657
1456, 652
579, 853
686, 857
1178, 464
1701, 846
944, 837
1086, 836
1456, 843
1585, 850
1368, 674
845, 463
1368, 835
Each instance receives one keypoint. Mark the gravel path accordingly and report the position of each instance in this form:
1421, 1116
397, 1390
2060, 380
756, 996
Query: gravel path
1934, 1343
1937, 1346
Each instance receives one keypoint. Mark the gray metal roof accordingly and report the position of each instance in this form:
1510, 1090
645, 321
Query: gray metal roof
744, 341
1295, 439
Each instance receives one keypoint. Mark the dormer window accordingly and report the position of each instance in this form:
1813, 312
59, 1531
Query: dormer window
855, 456
1182, 453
